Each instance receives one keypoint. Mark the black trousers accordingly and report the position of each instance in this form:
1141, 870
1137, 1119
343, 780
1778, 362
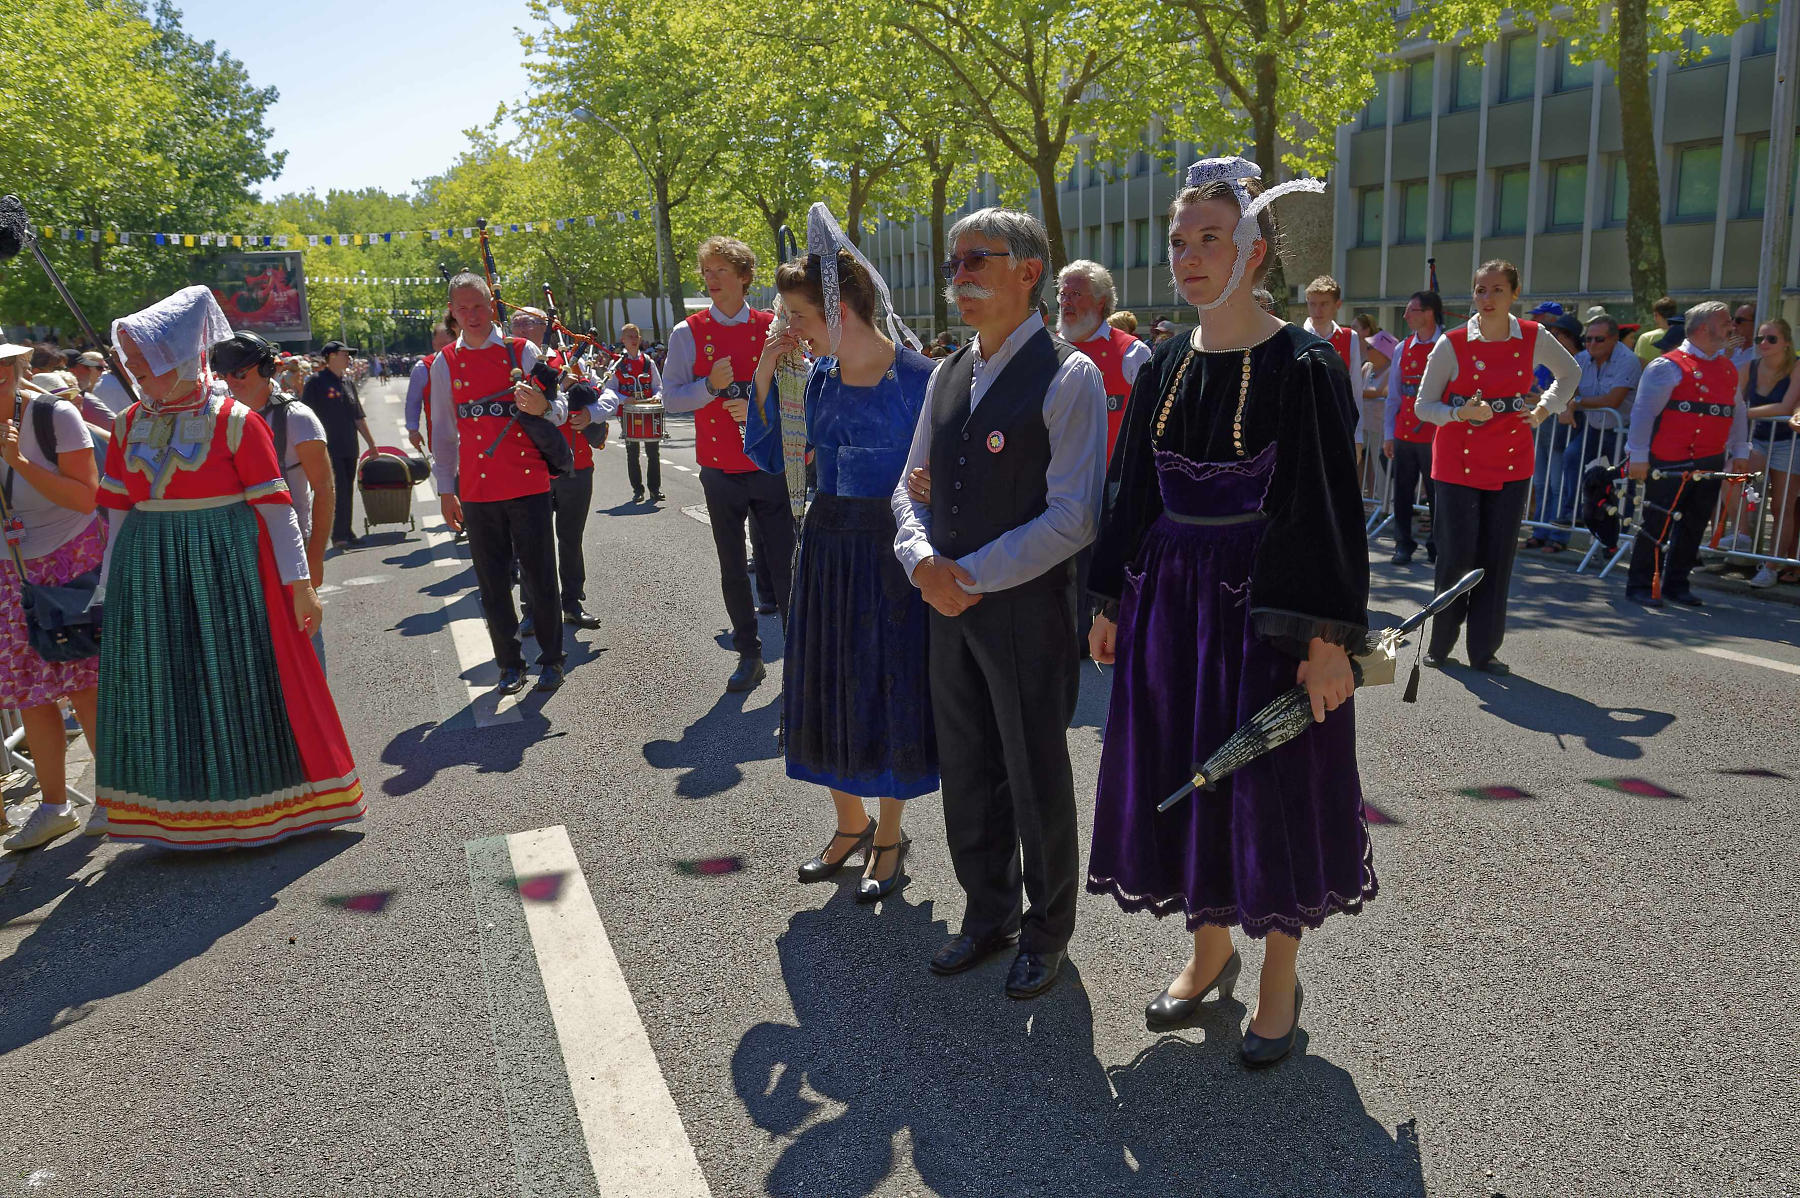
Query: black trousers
1411, 467
501, 532
762, 499
343, 473
653, 453
1679, 538
1474, 528
1004, 681
764, 589
570, 497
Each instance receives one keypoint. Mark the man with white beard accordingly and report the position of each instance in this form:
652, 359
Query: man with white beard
1084, 299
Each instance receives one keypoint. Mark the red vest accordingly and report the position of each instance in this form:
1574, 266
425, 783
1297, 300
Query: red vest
718, 440
632, 380
516, 469
1490, 455
1696, 422
1108, 353
1411, 365
584, 453
1340, 341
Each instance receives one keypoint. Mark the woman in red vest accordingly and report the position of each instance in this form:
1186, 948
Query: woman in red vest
1477, 389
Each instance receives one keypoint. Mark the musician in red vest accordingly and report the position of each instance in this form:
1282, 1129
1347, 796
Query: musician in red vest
1406, 441
571, 494
502, 499
418, 384
1477, 390
1323, 299
709, 371
1084, 301
636, 380
1685, 418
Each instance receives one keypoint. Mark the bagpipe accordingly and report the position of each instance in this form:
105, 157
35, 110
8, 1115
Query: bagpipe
1603, 490
546, 438
572, 347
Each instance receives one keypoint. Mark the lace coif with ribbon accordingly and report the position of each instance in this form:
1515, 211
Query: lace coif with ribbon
175, 333
825, 238
1237, 172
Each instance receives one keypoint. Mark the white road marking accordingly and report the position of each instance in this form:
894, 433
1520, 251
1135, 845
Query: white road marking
636, 1142
697, 512
1768, 663
474, 652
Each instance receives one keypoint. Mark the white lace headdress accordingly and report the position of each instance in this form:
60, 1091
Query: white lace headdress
1238, 172
175, 333
825, 238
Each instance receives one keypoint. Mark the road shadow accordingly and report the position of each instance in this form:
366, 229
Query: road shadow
628, 508
466, 606
710, 750
146, 913
1534, 707
1001, 1097
421, 752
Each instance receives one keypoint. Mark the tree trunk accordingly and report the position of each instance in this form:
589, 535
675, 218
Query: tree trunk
670, 272
1050, 199
1643, 187
940, 219
853, 205
1264, 122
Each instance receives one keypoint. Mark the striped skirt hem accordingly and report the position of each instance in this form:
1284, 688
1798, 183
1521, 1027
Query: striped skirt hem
215, 827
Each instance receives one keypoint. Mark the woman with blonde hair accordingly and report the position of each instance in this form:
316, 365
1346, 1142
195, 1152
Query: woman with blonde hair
1773, 399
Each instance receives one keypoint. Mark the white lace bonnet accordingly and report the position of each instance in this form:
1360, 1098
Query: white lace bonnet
1237, 172
825, 238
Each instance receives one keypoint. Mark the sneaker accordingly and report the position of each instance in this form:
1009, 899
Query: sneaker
98, 824
43, 827
1764, 578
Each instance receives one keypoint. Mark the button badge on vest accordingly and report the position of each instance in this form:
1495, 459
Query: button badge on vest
996, 441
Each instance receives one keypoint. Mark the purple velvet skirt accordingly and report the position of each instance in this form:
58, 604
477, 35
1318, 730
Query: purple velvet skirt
1282, 843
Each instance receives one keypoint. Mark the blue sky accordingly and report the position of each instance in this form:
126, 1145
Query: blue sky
372, 93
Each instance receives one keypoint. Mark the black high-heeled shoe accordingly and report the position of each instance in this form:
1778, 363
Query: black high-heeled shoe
1167, 1013
818, 869
869, 890
1262, 1051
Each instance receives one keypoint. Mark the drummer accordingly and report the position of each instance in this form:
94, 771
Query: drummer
636, 380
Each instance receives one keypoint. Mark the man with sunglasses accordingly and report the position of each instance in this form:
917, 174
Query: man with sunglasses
1013, 434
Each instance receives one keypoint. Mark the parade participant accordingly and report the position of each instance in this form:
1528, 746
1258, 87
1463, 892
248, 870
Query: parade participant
712, 358
418, 384
1014, 431
1407, 443
1772, 395
246, 362
502, 497
635, 380
332, 396
571, 494
858, 709
1323, 299
1477, 389
50, 480
1233, 562
216, 729
1084, 301
1685, 418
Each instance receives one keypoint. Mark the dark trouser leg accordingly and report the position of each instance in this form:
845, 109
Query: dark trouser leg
759, 561
772, 530
632, 473
653, 452
1404, 471
1456, 525
534, 539
1497, 545
491, 551
1084, 603
1697, 505
727, 506
570, 496
1680, 537
343, 473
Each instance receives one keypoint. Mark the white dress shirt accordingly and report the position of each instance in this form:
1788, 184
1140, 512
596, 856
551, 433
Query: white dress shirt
444, 435
1075, 415
610, 398
1441, 369
681, 391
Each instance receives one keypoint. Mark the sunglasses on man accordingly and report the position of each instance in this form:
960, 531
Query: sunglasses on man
974, 260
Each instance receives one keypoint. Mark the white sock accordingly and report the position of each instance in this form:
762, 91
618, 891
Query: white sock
61, 808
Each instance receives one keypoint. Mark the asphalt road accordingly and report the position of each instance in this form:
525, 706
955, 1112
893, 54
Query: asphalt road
1582, 992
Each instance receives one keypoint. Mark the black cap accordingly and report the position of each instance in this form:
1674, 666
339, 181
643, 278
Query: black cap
332, 347
1568, 324
242, 350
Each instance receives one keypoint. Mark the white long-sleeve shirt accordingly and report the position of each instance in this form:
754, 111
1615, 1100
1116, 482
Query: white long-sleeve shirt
681, 391
610, 398
1441, 369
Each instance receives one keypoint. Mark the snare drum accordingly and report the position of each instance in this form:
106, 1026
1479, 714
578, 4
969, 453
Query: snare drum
643, 421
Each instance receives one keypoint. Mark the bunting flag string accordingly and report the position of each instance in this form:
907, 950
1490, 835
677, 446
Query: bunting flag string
307, 241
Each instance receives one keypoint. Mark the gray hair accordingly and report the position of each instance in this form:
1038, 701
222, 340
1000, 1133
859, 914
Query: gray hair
1705, 310
1605, 321
1022, 232
1098, 277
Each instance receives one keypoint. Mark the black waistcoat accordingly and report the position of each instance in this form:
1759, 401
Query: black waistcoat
988, 467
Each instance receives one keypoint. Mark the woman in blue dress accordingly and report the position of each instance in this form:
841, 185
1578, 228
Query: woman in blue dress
858, 710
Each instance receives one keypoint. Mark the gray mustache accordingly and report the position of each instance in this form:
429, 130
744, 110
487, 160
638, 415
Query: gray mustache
974, 291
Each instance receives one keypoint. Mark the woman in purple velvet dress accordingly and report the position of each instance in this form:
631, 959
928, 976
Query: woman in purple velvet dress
1231, 564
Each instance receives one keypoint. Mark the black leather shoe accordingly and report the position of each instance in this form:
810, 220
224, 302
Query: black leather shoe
1260, 1052
637, 497
1032, 974
1166, 1012
1643, 597
818, 869
581, 619
1402, 557
766, 608
1495, 666
656, 497
1686, 598
549, 678
870, 890
512, 681
1437, 661
749, 672
963, 951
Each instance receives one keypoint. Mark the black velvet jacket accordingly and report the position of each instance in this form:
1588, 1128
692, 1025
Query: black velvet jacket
1312, 570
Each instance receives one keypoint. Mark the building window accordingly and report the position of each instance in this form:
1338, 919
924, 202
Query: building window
1073, 182
1512, 192
1570, 75
1140, 242
1459, 207
1415, 210
1756, 175
1093, 244
1568, 194
1704, 49
1420, 75
1140, 163
1375, 112
1162, 240
1697, 182
1518, 70
1763, 36
1115, 260
1466, 89
1093, 172
1368, 216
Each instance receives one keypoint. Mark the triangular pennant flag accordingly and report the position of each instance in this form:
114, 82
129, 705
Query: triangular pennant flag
159, 239
590, 222
111, 237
